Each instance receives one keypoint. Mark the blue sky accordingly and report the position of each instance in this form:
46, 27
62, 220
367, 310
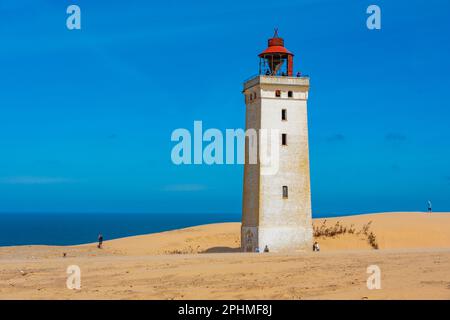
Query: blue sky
86, 115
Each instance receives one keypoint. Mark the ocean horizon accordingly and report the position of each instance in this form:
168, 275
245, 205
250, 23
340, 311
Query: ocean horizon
79, 228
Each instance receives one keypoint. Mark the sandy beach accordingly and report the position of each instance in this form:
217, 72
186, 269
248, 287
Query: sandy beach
204, 262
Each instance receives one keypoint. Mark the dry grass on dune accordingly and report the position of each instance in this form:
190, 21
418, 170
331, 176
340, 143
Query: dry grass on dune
324, 232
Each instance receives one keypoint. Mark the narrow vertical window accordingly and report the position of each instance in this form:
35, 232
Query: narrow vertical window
290, 94
284, 139
277, 93
284, 114
285, 192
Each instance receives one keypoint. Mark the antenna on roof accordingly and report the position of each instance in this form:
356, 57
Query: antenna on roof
275, 34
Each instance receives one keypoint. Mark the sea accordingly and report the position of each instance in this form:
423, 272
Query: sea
73, 228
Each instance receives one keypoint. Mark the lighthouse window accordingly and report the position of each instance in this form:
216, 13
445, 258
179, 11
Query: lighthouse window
277, 93
284, 114
290, 94
284, 139
285, 192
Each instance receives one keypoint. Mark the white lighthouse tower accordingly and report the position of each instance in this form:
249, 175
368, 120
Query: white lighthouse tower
276, 210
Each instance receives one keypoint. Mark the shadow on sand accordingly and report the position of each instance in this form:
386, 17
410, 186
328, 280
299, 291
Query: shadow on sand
221, 250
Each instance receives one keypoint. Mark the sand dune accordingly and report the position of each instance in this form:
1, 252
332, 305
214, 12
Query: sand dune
396, 230
392, 231
414, 256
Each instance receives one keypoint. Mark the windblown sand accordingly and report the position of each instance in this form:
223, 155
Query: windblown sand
204, 262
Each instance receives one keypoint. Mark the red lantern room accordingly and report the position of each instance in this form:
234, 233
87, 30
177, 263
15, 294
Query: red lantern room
276, 60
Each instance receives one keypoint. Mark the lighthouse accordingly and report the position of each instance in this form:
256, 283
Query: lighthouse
276, 209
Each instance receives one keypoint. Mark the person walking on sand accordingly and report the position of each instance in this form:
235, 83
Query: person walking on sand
266, 249
430, 207
100, 241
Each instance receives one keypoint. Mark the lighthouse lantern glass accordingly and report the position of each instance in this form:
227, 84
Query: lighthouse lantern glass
274, 65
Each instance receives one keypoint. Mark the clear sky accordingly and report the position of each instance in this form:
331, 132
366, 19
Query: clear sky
86, 115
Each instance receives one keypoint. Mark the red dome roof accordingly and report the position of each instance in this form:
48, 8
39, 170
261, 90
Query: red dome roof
276, 45
276, 49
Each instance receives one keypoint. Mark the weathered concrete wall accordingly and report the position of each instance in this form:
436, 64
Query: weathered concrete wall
283, 224
250, 203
